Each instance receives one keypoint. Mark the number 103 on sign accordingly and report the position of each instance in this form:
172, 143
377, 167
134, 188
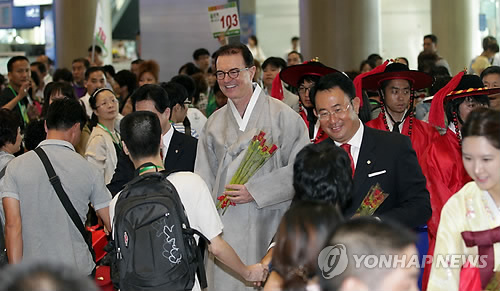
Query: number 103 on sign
224, 19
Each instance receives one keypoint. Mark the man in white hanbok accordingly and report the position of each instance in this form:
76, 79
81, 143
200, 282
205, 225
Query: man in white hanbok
249, 225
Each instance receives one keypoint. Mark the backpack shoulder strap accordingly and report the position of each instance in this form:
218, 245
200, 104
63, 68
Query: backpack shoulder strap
63, 197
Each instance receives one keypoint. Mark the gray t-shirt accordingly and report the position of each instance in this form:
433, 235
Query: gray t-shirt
5, 158
47, 230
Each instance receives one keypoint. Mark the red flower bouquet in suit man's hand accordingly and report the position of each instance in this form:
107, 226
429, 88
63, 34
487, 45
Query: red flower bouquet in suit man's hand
372, 201
257, 155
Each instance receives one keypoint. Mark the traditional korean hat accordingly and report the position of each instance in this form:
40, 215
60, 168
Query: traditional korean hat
419, 80
358, 80
460, 86
291, 75
395, 71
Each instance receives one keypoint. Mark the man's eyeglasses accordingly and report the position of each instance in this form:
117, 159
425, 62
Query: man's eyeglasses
303, 90
338, 112
233, 73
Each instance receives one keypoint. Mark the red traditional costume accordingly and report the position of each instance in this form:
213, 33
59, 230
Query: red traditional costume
422, 134
443, 164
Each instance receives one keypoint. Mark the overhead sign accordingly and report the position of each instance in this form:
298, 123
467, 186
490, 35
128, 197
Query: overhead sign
31, 2
224, 20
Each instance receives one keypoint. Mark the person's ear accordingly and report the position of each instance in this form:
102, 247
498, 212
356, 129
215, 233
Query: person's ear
356, 104
76, 127
75, 132
315, 112
252, 70
167, 113
45, 126
125, 149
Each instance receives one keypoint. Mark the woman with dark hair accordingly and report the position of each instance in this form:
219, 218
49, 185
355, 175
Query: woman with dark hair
303, 232
63, 75
366, 66
274, 86
127, 83
442, 163
149, 72
104, 142
271, 68
186, 118
55, 91
35, 131
471, 218
321, 174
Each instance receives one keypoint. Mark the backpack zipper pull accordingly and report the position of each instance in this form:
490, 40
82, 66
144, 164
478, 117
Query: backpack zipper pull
119, 254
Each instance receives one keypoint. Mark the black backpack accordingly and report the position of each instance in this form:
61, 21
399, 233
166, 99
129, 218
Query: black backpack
154, 243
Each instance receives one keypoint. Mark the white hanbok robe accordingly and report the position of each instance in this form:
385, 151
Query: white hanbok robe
250, 227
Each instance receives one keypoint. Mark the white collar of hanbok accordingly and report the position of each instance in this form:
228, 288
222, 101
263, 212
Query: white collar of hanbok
491, 206
242, 122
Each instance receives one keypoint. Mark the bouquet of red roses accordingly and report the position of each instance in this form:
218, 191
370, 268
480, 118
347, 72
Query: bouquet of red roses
372, 201
257, 155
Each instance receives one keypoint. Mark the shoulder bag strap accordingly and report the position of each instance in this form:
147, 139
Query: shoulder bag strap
70, 209
2, 172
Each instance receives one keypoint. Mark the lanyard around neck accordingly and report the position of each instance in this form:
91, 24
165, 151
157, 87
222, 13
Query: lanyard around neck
117, 142
149, 166
22, 107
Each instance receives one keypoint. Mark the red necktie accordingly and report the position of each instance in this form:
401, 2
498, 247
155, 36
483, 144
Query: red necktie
347, 148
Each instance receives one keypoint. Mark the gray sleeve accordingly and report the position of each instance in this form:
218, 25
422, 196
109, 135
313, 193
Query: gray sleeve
100, 196
8, 185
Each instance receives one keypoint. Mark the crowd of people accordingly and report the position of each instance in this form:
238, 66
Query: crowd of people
419, 148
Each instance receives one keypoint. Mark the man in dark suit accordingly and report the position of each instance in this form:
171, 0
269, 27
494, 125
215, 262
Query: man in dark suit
380, 159
178, 150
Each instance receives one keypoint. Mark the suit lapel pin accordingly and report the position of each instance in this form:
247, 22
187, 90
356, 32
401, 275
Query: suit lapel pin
368, 162
176, 151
